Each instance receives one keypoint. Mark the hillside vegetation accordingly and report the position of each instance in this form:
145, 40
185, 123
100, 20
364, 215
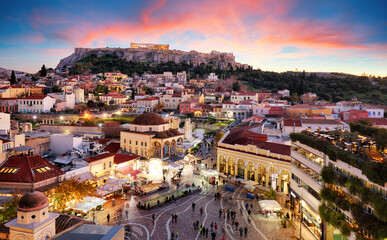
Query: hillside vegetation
331, 87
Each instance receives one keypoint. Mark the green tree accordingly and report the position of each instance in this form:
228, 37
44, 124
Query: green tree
13, 78
9, 210
43, 71
56, 88
271, 194
235, 86
71, 190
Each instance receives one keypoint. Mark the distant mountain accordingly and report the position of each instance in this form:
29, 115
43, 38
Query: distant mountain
144, 55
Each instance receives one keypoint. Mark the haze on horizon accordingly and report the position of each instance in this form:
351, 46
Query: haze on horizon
285, 35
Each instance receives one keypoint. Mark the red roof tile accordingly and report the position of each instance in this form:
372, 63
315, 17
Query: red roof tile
28, 170
112, 147
121, 158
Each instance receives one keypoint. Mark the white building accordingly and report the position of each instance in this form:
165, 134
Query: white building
237, 97
36, 104
284, 93
68, 98
374, 111
212, 77
79, 95
306, 184
235, 110
5, 123
60, 143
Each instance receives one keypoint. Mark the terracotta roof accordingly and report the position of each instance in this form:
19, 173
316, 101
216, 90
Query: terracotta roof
290, 122
30, 169
148, 99
98, 157
37, 97
320, 121
112, 147
242, 136
121, 158
102, 141
149, 119
1, 99
65, 221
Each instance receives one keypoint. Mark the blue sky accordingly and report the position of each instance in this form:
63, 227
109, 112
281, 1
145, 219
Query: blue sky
340, 36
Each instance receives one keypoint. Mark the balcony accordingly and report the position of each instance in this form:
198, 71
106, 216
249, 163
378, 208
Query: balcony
301, 158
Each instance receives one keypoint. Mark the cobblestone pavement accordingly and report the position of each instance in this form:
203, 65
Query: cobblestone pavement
140, 225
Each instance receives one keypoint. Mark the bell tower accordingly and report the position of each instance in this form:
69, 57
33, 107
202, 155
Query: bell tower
33, 221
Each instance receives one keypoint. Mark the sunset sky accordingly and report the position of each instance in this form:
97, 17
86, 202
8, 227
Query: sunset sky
330, 36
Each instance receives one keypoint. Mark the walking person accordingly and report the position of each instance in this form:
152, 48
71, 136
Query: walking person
127, 213
216, 227
153, 218
236, 225
177, 235
241, 232
108, 218
193, 206
213, 235
220, 212
201, 211
207, 232
246, 231
173, 218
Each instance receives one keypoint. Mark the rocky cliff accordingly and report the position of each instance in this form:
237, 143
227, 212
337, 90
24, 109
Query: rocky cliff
195, 58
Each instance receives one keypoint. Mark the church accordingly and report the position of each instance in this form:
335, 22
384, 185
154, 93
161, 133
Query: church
150, 136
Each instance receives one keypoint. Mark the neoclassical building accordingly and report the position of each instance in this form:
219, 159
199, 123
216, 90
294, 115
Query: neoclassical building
248, 155
149, 135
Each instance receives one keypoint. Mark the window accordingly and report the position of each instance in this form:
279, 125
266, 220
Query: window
142, 143
33, 217
110, 164
136, 142
130, 141
145, 144
124, 140
104, 166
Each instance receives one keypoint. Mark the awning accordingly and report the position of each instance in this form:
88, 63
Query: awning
128, 170
174, 165
62, 161
117, 182
21, 148
107, 189
269, 205
89, 203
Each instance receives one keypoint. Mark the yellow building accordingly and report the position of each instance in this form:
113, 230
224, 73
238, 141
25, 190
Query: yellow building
149, 135
304, 110
115, 76
247, 155
13, 91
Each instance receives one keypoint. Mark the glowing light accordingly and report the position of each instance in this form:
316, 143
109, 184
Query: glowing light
86, 115
99, 124
118, 112
61, 117
34, 117
104, 115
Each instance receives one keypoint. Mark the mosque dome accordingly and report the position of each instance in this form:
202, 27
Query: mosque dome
32, 202
149, 118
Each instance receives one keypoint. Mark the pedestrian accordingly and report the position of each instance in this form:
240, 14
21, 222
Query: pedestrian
177, 235
173, 218
216, 227
201, 229
241, 231
194, 225
249, 211
172, 235
246, 231
236, 224
251, 205
212, 226
213, 235
246, 206
148, 206
108, 218
153, 218
220, 212
201, 211
127, 213
193, 206
206, 232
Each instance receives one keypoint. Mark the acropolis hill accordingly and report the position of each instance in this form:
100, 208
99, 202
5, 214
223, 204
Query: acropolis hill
155, 53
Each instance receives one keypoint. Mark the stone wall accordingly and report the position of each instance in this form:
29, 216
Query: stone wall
67, 129
25, 117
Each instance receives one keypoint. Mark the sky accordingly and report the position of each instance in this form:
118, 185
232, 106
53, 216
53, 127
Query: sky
321, 35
